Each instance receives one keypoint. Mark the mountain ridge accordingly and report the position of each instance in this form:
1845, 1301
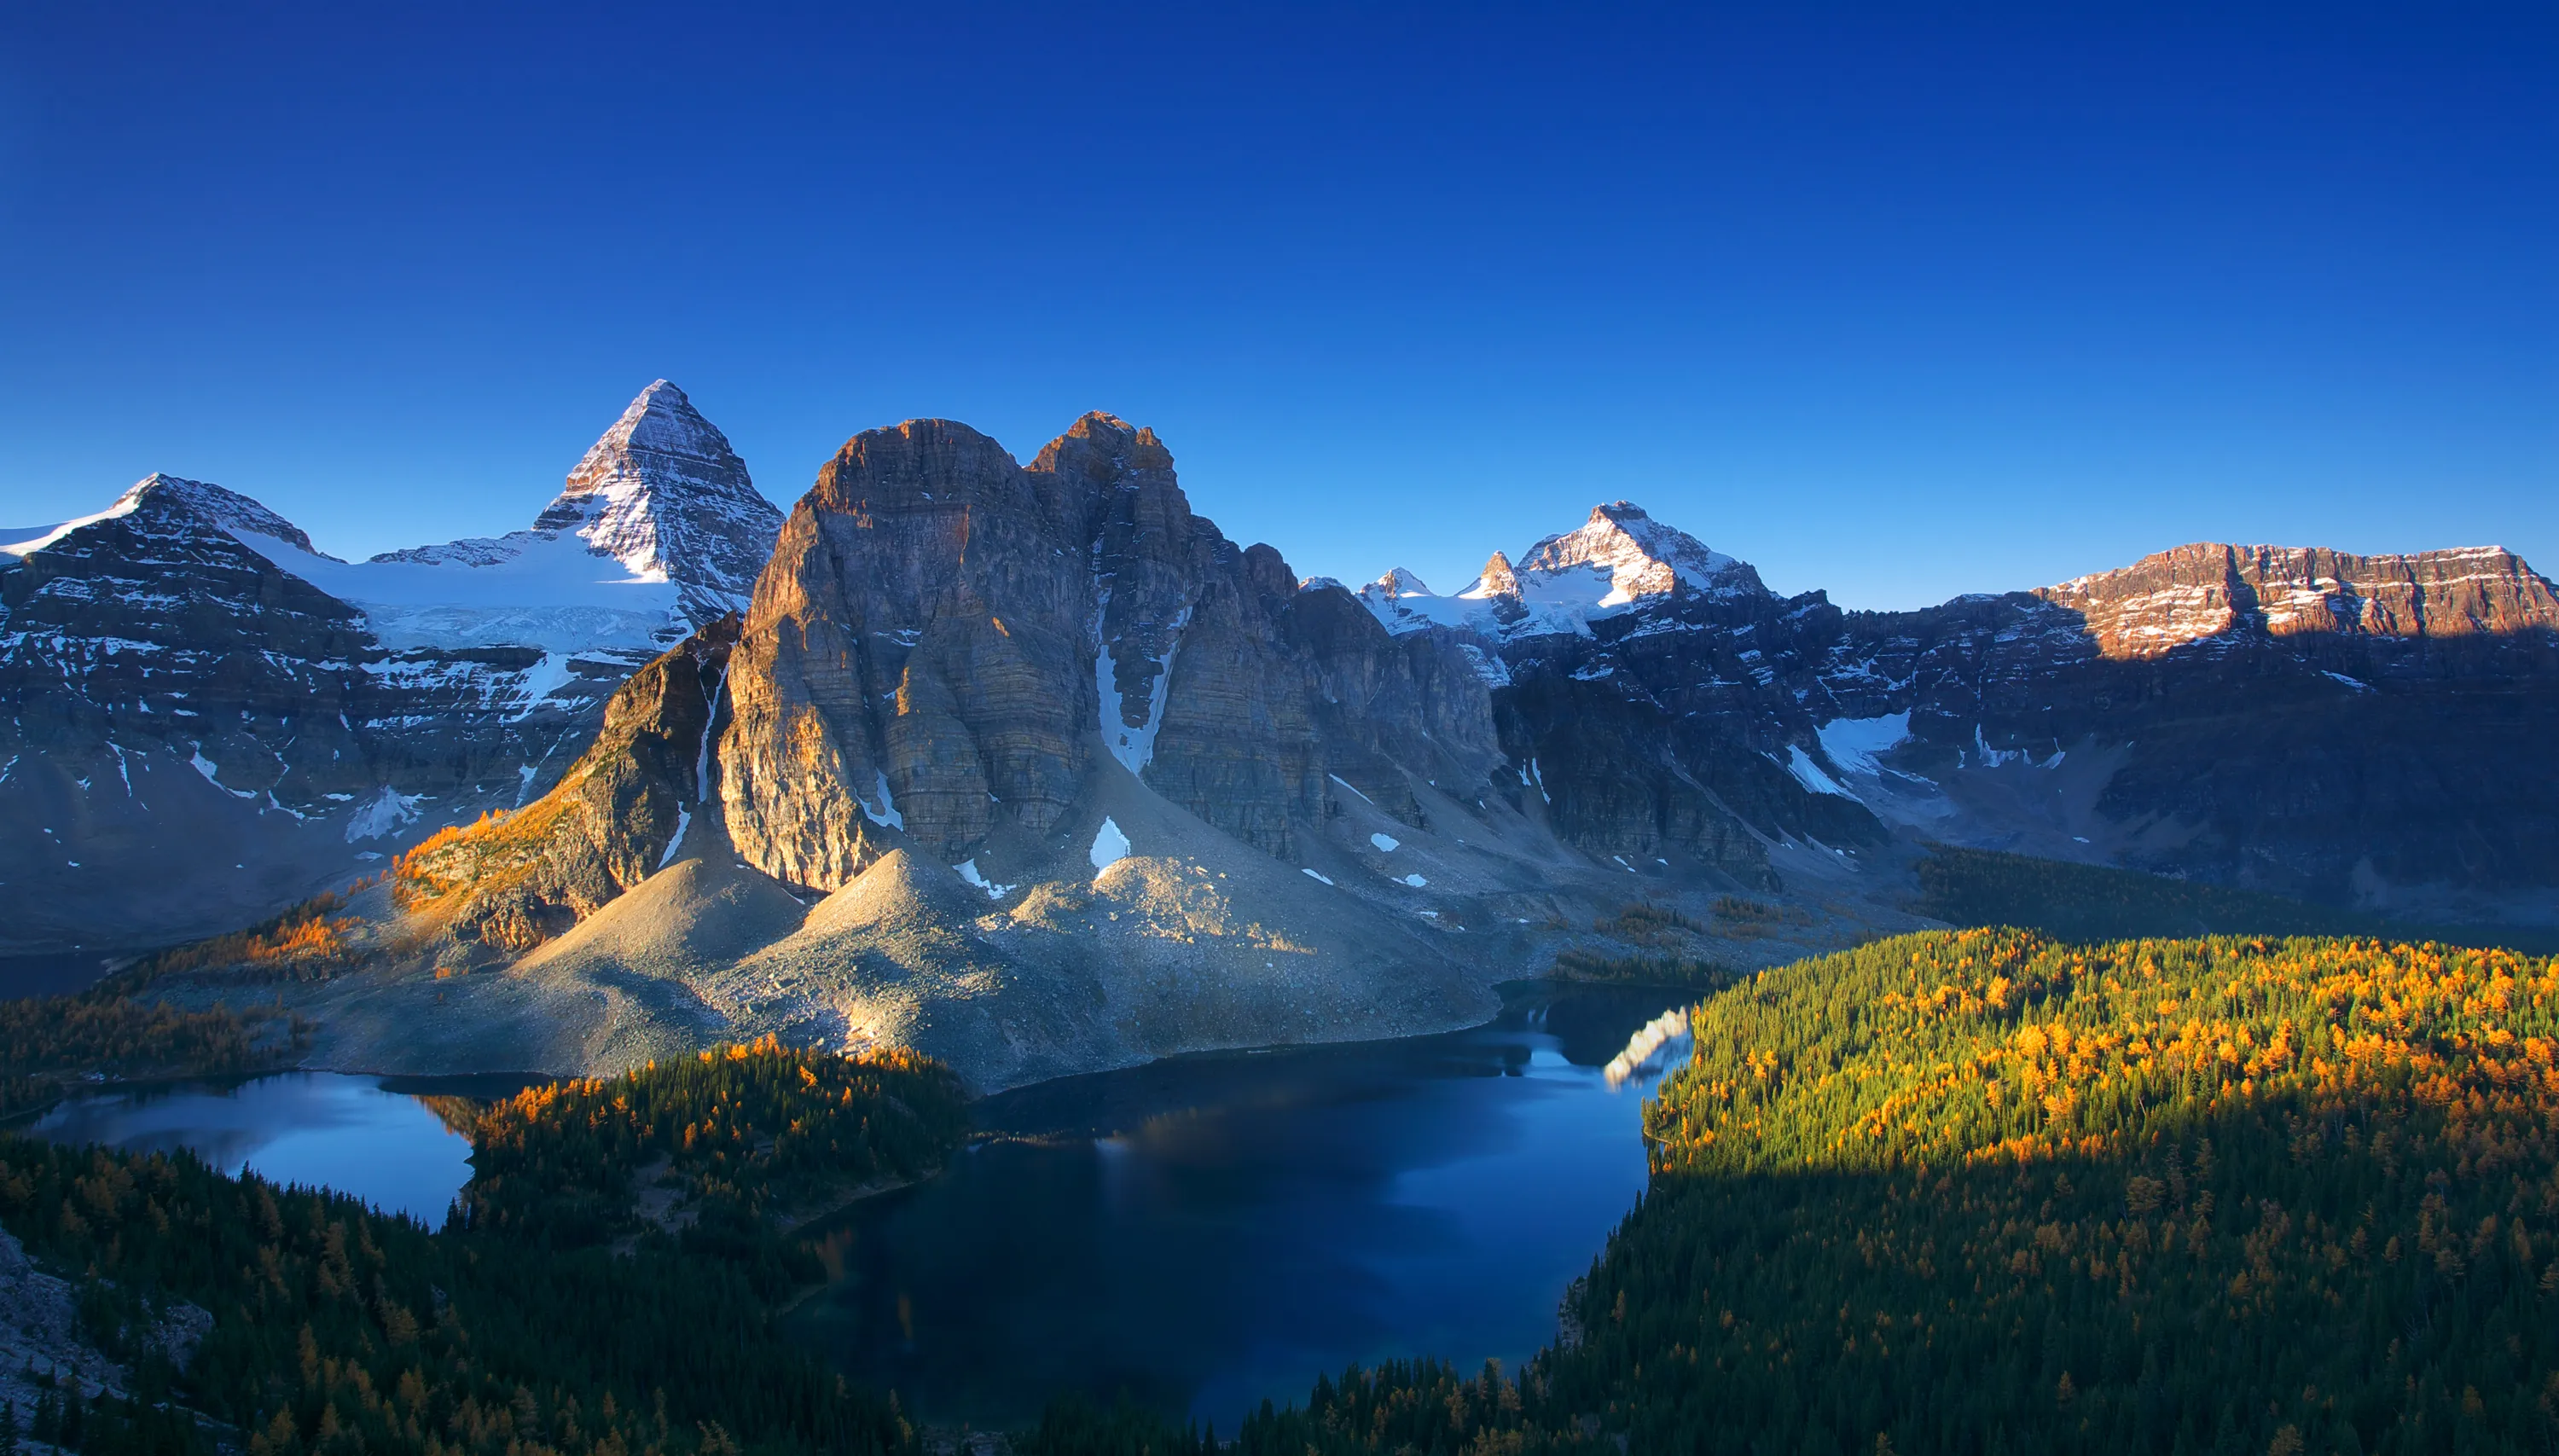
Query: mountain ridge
324, 710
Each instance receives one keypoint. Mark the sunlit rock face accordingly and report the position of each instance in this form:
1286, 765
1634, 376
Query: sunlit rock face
621, 811
946, 642
2200, 592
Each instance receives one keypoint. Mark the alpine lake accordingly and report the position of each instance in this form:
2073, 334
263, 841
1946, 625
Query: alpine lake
1199, 1234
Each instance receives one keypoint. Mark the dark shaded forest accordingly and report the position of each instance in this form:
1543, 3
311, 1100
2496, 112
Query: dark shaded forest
338, 1331
2087, 902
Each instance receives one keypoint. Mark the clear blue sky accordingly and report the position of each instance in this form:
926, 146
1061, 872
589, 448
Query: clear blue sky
1891, 303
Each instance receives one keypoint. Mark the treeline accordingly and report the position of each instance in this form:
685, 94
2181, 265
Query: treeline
1667, 936
2087, 902
341, 1332
307, 941
49, 1043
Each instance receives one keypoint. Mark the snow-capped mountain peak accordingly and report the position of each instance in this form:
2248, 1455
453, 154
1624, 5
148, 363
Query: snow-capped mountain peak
1402, 583
1633, 554
659, 500
663, 493
1620, 560
210, 505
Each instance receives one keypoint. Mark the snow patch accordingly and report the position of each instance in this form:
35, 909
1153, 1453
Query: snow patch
968, 869
382, 813
684, 822
886, 813
1110, 845
1135, 747
2357, 684
1810, 775
1386, 843
1416, 881
1855, 743
204, 766
1319, 878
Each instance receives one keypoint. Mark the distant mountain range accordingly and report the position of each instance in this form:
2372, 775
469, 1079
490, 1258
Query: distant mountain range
1033, 767
2373, 730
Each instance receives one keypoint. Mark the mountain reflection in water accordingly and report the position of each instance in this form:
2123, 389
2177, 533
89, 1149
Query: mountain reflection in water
1208, 1231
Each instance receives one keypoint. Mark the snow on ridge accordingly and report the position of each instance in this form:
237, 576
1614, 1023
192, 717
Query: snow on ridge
1620, 560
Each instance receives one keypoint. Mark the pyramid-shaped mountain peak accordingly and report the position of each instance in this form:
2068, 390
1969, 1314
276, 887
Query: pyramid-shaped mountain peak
664, 493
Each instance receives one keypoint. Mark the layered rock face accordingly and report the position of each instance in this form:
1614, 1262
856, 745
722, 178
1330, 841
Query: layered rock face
198, 699
2202, 592
2350, 728
945, 640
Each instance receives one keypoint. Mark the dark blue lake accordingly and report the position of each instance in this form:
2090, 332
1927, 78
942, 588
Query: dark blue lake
1208, 1231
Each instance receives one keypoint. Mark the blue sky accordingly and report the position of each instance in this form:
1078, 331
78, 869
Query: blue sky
1897, 301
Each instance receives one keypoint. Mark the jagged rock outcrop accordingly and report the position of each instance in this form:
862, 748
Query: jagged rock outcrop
619, 815
945, 638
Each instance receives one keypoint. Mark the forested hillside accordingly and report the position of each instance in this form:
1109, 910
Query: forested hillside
338, 1331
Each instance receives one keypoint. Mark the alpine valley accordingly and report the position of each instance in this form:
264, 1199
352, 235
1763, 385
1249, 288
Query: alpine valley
1033, 770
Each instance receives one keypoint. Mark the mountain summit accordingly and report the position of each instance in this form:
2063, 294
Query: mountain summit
662, 495
1620, 560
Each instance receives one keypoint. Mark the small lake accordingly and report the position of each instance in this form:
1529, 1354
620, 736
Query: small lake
371, 1137
1208, 1231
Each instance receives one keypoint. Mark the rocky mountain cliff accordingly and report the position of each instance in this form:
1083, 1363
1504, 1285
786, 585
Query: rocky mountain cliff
198, 700
945, 642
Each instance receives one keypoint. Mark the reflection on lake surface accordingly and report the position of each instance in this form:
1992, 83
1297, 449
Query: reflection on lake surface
1211, 1231
371, 1137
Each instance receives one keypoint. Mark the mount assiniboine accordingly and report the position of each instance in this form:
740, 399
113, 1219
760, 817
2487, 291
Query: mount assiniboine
1032, 768
208, 718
